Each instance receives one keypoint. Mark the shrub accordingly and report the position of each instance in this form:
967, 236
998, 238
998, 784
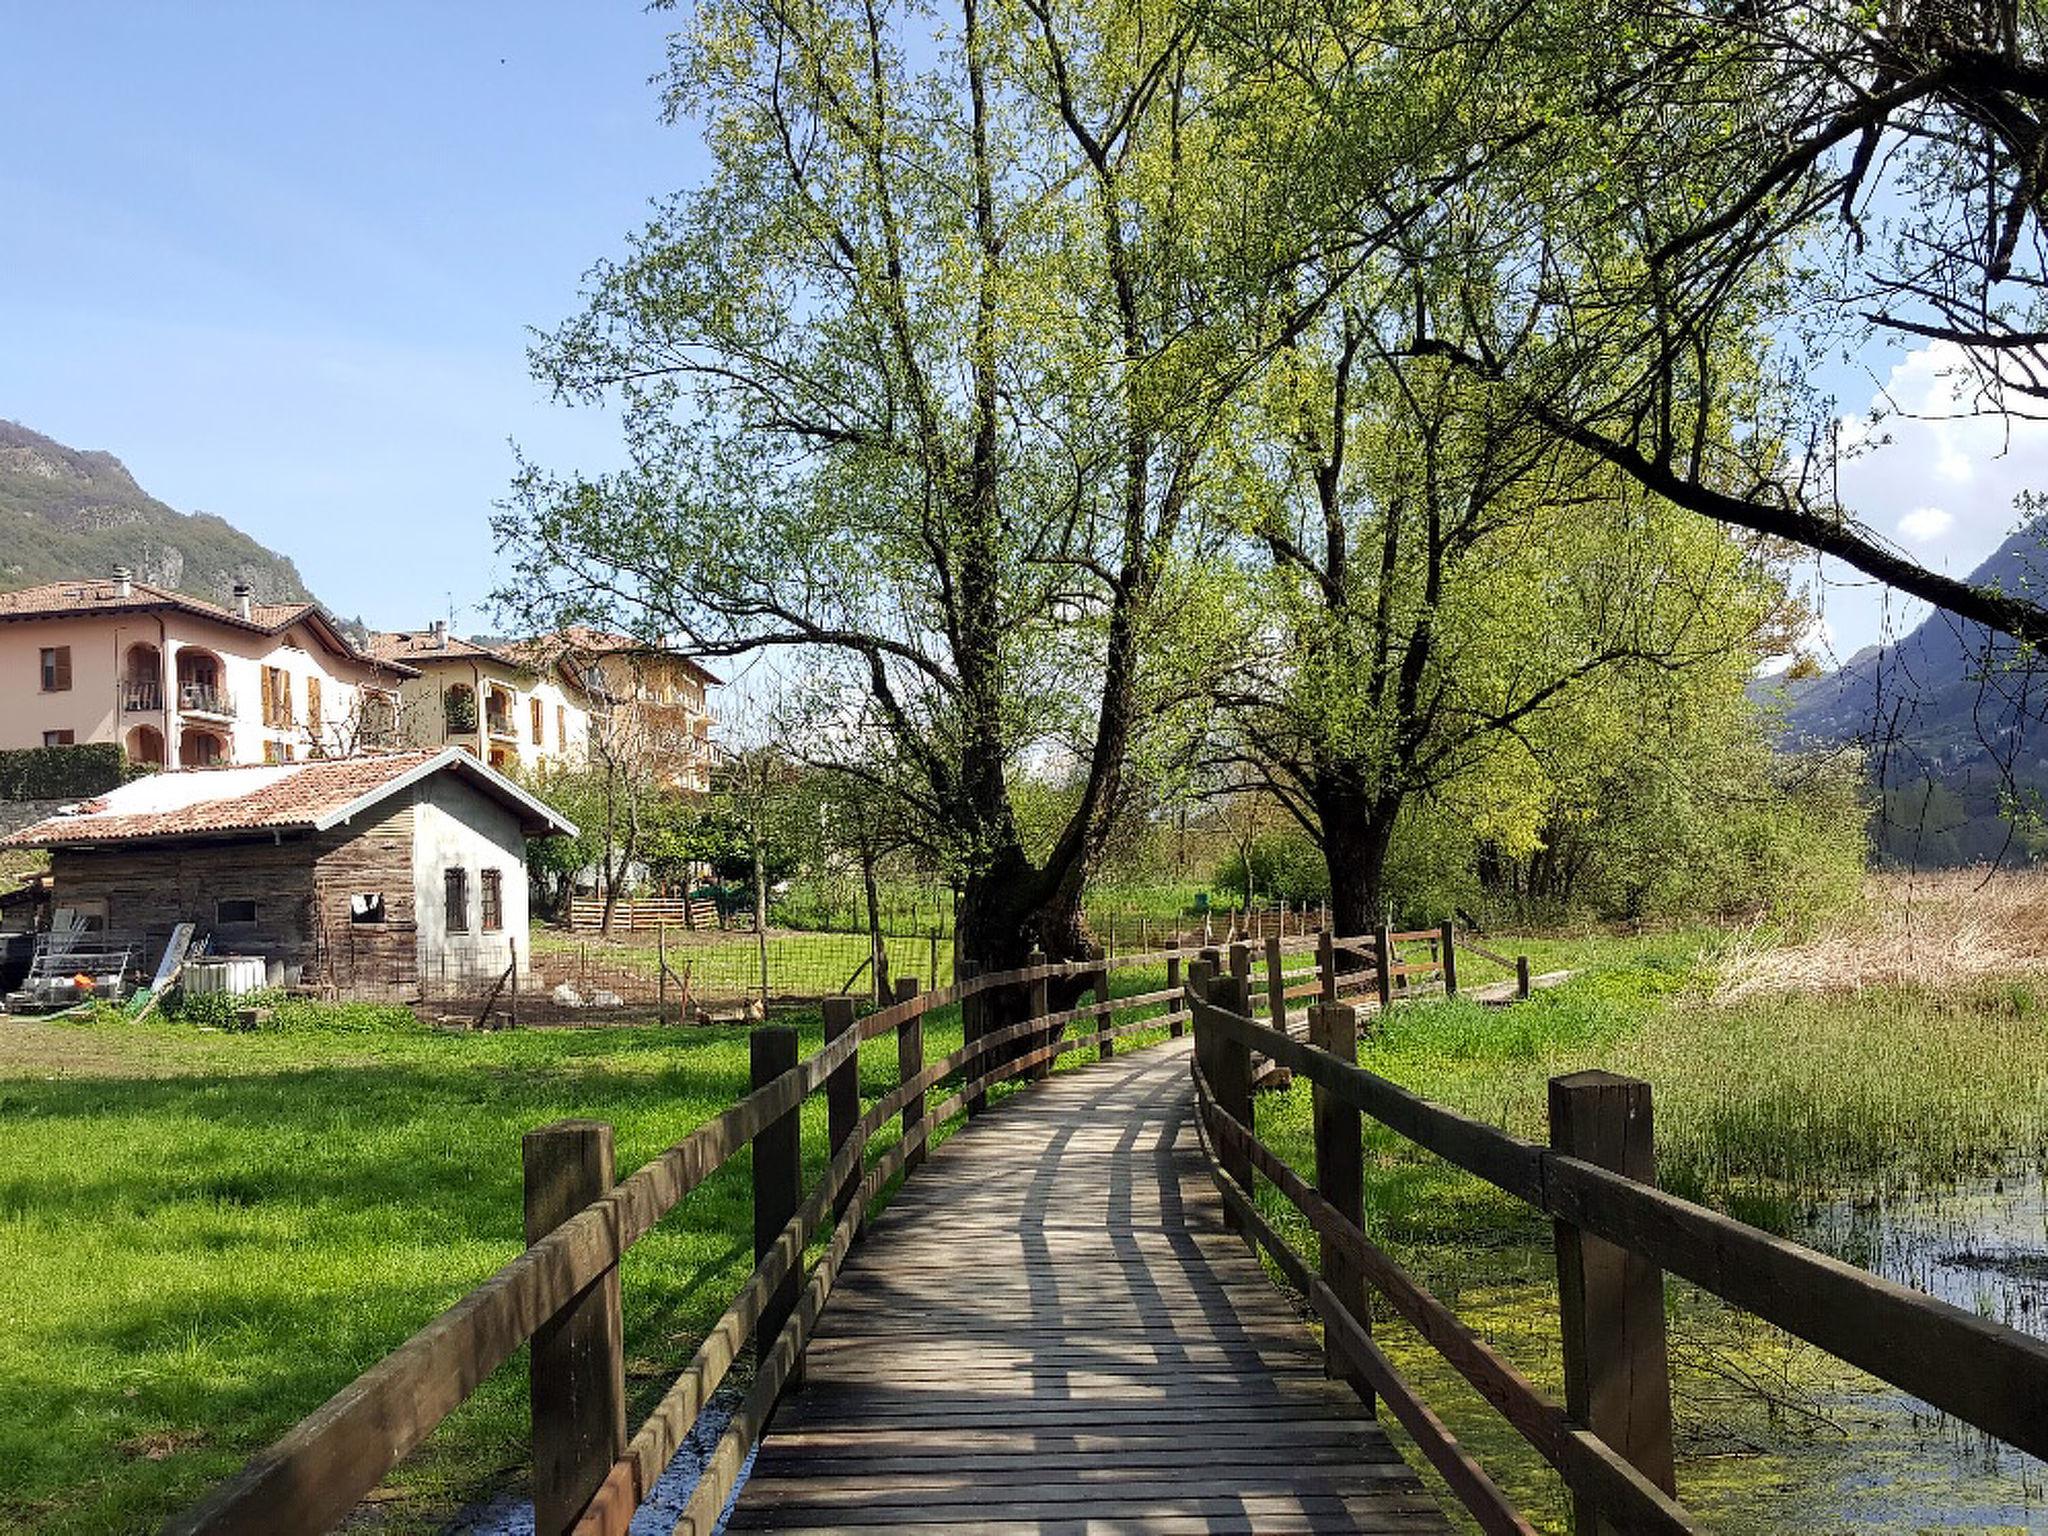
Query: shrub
62, 773
220, 1010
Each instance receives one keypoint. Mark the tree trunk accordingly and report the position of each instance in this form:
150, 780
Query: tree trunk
761, 917
877, 950
1357, 832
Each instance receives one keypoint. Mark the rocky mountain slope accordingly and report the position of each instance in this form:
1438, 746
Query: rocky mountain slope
66, 513
1954, 721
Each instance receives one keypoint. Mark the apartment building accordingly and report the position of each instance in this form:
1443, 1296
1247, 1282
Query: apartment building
657, 700
184, 683
514, 706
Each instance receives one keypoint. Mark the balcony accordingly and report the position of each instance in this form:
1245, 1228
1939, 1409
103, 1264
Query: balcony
205, 699
501, 727
142, 696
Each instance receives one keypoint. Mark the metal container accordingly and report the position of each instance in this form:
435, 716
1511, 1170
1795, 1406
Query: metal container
235, 975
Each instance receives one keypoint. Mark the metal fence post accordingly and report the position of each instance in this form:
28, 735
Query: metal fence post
577, 1365
1617, 1377
778, 1181
910, 1062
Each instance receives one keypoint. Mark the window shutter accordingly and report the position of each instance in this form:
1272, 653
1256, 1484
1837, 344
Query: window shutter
313, 716
269, 695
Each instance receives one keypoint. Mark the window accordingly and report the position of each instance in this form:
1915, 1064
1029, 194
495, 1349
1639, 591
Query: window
59, 738
56, 668
234, 909
493, 900
366, 907
500, 758
277, 696
539, 720
279, 752
457, 884
313, 716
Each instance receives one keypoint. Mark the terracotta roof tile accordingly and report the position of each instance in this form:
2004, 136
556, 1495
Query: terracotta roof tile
415, 646
200, 802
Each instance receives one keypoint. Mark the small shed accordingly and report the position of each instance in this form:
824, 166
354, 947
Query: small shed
388, 877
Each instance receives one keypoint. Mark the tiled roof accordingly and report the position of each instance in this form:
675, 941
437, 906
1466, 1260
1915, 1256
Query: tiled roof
208, 802
59, 599
415, 646
585, 640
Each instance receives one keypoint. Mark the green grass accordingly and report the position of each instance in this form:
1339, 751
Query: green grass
1763, 1110
203, 1235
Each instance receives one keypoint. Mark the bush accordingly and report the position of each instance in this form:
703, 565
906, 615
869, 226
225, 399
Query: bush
220, 1010
63, 773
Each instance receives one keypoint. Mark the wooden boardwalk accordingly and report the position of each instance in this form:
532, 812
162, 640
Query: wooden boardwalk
1049, 1331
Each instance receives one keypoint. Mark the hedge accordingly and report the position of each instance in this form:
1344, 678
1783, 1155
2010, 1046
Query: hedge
63, 773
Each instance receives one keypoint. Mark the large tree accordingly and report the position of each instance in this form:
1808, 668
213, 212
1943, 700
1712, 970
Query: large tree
1444, 586
1695, 209
921, 380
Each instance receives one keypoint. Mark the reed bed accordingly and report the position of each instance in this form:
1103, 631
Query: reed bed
1935, 929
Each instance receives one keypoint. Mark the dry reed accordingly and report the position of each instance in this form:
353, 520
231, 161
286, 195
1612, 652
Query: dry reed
1935, 929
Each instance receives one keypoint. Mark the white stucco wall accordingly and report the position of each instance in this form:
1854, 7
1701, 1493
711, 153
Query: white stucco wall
455, 826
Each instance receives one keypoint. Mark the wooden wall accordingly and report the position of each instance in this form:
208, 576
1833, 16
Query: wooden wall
149, 888
371, 960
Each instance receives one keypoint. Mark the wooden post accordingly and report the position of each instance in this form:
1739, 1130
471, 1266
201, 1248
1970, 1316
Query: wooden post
1448, 958
970, 1023
842, 1097
1241, 969
1617, 1379
513, 944
1040, 1005
578, 1362
1229, 1070
1340, 1177
910, 1062
1173, 984
1521, 975
1383, 955
1276, 984
1105, 1050
1326, 965
661, 973
778, 1179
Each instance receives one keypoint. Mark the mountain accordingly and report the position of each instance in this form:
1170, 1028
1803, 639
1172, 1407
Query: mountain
1954, 720
66, 513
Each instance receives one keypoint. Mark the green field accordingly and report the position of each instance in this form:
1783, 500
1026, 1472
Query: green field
203, 1235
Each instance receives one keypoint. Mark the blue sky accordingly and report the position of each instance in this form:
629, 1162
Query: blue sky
280, 258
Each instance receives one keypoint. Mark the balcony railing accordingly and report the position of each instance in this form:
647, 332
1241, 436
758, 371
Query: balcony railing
205, 699
501, 725
142, 695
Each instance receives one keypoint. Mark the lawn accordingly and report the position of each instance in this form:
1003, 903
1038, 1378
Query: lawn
204, 1235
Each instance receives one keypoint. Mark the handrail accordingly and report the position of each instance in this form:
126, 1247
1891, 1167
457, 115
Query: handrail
1979, 1371
317, 1472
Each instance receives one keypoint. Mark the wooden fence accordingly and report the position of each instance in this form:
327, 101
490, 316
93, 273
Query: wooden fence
1616, 1235
562, 1296
586, 913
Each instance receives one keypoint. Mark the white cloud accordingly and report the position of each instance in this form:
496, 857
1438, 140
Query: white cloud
1940, 479
1923, 525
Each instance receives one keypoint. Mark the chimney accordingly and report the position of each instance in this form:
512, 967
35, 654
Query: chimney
124, 581
439, 634
242, 598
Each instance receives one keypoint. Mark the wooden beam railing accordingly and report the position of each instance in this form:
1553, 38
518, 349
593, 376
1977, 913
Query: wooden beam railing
1616, 1235
561, 1293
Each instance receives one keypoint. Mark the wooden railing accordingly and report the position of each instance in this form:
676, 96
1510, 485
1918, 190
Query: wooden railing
562, 1295
1616, 1235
